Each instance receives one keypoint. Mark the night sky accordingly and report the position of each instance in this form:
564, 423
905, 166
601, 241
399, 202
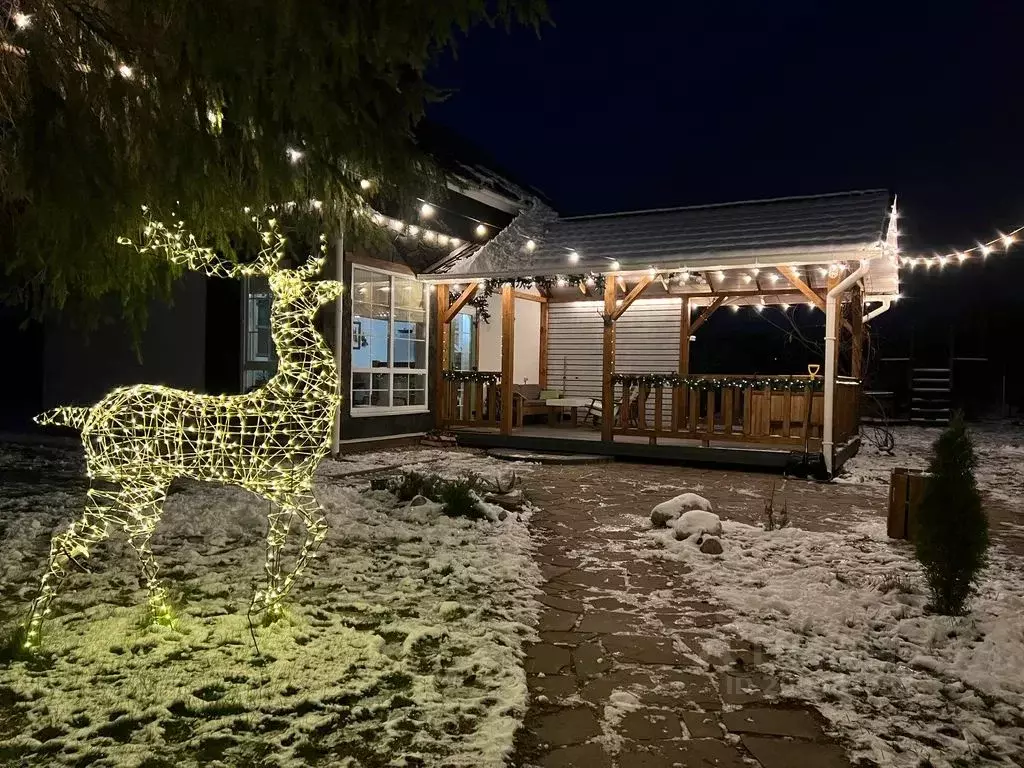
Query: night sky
623, 106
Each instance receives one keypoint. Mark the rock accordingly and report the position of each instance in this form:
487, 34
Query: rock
419, 501
711, 546
669, 510
695, 522
502, 516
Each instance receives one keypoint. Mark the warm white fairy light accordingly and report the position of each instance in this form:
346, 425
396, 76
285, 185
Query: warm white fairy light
365, 184
22, 20
413, 230
481, 230
614, 265
755, 271
294, 155
774, 277
456, 242
427, 210
125, 71
652, 271
530, 245
748, 278
574, 257
269, 441
720, 275
1003, 241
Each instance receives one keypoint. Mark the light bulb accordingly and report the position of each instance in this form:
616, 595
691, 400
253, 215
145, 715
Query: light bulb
530, 245
22, 20
986, 250
365, 184
126, 71
652, 272
456, 242
1008, 241
481, 230
748, 278
720, 275
755, 271
426, 210
294, 155
574, 257
615, 265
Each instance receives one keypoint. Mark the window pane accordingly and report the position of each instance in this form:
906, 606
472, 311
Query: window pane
360, 390
409, 294
380, 395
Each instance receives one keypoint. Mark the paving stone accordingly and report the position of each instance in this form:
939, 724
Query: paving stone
609, 604
650, 724
567, 638
562, 603
555, 687
554, 620
550, 572
701, 725
573, 725
607, 622
590, 659
786, 753
640, 649
696, 753
747, 688
577, 755
774, 722
605, 578
546, 659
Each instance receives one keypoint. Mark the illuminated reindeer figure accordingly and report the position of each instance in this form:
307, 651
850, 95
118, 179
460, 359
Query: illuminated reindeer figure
269, 441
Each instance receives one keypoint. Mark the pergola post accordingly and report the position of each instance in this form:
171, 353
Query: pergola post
443, 354
508, 334
684, 337
542, 363
608, 361
857, 323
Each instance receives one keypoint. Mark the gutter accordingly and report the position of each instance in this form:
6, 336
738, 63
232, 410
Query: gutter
831, 310
886, 306
339, 317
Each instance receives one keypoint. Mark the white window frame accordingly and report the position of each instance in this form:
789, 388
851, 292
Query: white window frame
388, 410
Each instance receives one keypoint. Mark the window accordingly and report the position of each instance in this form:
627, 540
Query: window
463, 342
389, 343
259, 361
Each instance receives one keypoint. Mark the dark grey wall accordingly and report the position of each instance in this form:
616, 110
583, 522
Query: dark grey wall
362, 427
79, 368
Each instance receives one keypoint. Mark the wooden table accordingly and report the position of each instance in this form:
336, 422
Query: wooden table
556, 406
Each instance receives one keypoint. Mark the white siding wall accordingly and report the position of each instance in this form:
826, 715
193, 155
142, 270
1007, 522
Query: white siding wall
526, 364
646, 341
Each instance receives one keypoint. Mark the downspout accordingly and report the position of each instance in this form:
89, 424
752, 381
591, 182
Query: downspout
831, 310
339, 350
886, 305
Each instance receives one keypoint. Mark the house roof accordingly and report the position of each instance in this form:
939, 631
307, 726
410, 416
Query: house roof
793, 230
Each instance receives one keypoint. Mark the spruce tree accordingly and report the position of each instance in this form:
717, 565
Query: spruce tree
951, 530
202, 108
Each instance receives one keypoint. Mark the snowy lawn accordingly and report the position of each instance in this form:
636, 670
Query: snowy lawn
402, 642
842, 618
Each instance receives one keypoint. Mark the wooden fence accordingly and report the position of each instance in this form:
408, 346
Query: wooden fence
472, 403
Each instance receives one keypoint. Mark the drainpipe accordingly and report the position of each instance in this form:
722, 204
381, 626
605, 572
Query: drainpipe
339, 350
831, 310
886, 305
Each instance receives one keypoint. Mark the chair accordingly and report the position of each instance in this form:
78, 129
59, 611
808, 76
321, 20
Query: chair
595, 410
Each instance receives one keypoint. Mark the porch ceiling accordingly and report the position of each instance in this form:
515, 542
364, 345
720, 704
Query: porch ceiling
800, 230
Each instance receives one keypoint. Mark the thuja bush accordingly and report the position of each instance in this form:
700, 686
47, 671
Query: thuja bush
951, 529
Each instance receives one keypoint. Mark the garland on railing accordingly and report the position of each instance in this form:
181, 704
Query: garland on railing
650, 380
488, 288
479, 376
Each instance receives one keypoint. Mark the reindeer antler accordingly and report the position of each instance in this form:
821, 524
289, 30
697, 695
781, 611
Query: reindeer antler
179, 246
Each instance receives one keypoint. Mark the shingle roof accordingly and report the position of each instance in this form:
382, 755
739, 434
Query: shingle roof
702, 235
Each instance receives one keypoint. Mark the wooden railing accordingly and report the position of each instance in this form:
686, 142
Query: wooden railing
782, 410
846, 418
470, 399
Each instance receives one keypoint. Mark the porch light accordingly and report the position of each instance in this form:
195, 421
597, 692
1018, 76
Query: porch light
22, 20
481, 230
427, 210
530, 245
365, 184
574, 257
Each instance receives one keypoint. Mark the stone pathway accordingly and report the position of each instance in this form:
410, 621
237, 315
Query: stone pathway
621, 677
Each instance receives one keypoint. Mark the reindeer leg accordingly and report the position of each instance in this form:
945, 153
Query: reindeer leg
278, 521
90, 529
308, 508
140, 521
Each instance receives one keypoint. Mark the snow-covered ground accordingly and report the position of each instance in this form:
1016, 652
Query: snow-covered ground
841, 616
402, 643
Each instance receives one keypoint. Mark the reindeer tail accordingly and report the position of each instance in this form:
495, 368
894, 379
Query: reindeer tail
63, 416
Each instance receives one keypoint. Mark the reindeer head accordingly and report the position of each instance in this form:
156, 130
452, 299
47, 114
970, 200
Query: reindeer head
295, 289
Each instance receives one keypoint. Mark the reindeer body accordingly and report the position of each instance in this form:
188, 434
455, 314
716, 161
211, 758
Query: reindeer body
269, 441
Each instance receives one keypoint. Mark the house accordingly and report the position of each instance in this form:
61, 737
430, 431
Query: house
489, 291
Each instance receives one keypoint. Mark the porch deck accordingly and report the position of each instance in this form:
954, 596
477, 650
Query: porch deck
554, 439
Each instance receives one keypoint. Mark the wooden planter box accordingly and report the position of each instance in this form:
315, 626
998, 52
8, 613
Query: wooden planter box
906, 490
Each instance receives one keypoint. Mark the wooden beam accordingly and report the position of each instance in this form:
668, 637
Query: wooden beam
530, 297
632, 296
857, 332
542, 363
790, 274
443, 355
508, 340
684, 338
468, 293
608, 362
708, 311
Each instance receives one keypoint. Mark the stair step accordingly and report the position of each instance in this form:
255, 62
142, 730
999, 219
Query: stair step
931, 370
930, 410
945, 390
929, 422
931, 381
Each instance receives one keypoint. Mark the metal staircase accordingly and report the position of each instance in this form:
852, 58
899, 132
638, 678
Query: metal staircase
931, 393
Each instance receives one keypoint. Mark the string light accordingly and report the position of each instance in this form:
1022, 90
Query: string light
22, 20
755, 271
268, 441
426, 210
125, 71
294, 155
986, 249
574, 257
614, 265
481, 230
530, 245
748, 278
